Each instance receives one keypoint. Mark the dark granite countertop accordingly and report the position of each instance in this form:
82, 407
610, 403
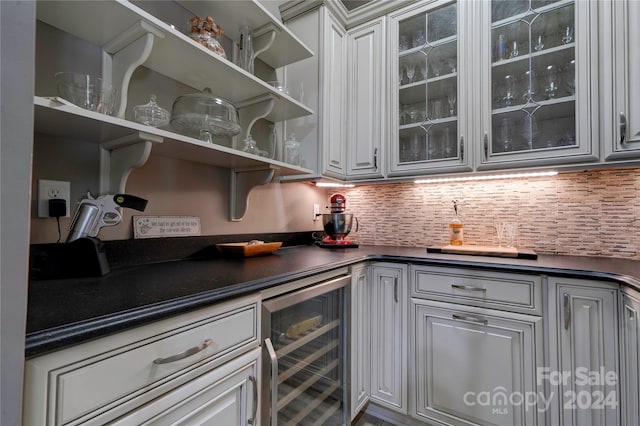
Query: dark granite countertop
68, 311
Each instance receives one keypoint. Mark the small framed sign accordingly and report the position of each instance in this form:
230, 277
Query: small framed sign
165, 226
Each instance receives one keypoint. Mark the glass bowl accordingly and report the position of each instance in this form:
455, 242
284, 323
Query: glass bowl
202, 113
151, 114
86, 91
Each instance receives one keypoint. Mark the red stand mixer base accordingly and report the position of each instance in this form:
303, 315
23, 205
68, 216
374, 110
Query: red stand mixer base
328, 242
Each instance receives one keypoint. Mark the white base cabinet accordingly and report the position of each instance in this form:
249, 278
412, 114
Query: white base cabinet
181, 367
360, 357
583, 352
389, 336
630, 358
474, 365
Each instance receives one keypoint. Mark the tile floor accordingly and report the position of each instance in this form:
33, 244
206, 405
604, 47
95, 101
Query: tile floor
368, 420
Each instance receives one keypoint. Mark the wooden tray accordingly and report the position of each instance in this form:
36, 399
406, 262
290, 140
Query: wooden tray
248, 250
478, 250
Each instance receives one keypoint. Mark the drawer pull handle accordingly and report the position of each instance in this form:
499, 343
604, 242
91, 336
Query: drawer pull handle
186, 354
623, 127
468, 288
469, 318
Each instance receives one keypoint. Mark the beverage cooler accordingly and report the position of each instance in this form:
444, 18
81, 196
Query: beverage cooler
305, 356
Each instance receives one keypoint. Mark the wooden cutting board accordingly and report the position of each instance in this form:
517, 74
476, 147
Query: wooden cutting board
480, 250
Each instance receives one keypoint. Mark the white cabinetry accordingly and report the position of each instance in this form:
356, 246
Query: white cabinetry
163, 368
630, 357
538, 83
429, 99
366, 103
583, 344
130, 37
620, 87
389, 336
321, 80
360, 357
464, 352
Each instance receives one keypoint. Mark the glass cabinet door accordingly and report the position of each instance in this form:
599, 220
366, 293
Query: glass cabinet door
425, 99
538, 90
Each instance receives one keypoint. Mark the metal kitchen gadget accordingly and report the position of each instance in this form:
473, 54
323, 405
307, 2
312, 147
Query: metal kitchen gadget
93, 214
337, 224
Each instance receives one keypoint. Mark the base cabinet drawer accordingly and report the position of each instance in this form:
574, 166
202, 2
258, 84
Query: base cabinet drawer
227, 395
496, 290
115, 373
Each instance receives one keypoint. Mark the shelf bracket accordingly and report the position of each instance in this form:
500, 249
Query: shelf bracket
252, 110
122, 55
120, 156
263, 41
242, 183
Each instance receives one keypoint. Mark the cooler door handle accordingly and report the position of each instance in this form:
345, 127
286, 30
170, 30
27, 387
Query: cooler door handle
274, 381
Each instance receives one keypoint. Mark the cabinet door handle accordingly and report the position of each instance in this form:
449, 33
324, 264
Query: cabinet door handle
461, 148
395, 289
254, 411
185, 354
468, 288
274, 380
486, 146
566, 301
470, 318
375, 158
623, 127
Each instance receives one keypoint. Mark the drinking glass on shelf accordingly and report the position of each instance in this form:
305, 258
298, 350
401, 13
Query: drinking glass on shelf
403, 43
506, 133
539, 44
404, 78
570, 73
514, 49
551, 78
527, 96
509, 94
418, 38
420, 70
567, 35
436, 109
435, 69
411, 70
452, 96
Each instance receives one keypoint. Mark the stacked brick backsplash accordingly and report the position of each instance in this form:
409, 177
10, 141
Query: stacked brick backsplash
590, 213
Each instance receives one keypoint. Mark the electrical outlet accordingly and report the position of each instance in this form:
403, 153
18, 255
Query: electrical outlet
48, 189
316, 212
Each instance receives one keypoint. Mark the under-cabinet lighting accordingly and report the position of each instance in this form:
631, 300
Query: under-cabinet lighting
487, 177
334, 185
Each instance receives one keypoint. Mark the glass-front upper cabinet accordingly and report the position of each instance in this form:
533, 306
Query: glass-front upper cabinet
428, 103
538, 83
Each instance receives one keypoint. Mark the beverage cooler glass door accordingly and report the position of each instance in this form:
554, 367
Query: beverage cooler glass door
305, 348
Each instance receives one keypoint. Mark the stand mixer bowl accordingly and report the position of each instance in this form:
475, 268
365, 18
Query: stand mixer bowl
337, 225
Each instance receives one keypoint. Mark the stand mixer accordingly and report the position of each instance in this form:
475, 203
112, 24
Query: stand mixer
337, 224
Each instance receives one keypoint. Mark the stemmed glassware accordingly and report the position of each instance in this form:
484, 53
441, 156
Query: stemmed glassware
568, 35
552, 81
539, 44
411, 70
506, 133
451, 99
509, 95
